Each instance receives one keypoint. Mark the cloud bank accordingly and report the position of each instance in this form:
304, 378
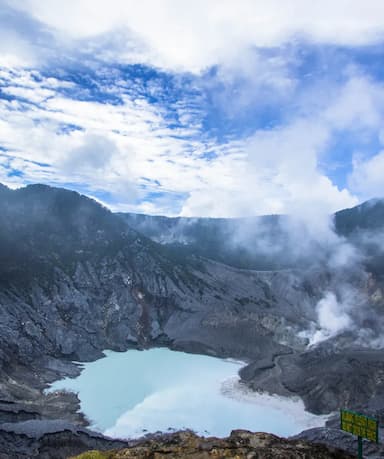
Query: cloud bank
197, 109
195, 35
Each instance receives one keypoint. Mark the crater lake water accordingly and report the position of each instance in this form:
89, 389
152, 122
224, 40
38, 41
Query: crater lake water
128, 394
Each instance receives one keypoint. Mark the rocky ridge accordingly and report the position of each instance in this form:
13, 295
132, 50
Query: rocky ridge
240, 444
75, 279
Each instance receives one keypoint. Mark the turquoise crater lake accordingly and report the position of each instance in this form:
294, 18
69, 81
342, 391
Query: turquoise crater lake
127, 394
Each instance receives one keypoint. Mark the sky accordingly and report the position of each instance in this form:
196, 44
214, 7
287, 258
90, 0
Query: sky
213, 108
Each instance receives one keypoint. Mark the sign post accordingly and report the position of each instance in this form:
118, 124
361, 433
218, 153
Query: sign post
360, 425
360, 447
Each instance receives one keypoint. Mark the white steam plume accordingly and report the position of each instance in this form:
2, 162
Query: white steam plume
332, 316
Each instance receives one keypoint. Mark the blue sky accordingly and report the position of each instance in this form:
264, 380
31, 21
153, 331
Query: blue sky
216, 108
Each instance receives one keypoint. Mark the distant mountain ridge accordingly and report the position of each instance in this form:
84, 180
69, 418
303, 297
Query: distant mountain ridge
368, 215
261, 243
211, 237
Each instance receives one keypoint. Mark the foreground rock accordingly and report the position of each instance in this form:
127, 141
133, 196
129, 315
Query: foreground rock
337, 438
240, 444
53, 439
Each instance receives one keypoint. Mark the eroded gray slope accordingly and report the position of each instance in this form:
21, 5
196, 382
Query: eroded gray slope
75, 280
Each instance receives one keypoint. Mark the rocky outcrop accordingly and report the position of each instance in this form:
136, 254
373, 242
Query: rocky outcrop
326, 379
53, 439
334, 437
240, 444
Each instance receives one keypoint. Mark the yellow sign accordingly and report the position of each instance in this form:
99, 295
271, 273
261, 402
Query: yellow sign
360, 425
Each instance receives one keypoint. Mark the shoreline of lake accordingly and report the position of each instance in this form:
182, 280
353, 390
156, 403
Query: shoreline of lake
128, 394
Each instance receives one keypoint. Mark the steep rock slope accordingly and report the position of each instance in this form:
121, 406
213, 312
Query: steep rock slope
75, 280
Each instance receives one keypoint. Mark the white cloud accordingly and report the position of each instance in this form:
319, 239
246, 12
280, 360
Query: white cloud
94, 154
360, 104
367, 177
129, 150
277, 174
194, 35
113, 148
279, 171
35, 95
252, 78
15, 51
